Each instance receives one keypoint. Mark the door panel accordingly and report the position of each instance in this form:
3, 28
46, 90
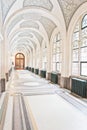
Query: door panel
19, 61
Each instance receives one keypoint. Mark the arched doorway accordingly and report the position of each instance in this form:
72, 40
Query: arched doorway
19, 61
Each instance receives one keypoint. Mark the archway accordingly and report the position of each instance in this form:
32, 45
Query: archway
19, 61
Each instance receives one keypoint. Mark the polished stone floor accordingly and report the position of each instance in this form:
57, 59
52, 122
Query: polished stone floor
36, 104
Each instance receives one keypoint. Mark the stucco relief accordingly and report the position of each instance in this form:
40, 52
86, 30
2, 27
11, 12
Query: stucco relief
25, 34
48, 25
6, 5
13, 23
69, 7
39, 37
29, 24
39, 3
33, 16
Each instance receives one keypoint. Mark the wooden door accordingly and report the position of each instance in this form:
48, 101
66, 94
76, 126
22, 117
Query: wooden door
19, 61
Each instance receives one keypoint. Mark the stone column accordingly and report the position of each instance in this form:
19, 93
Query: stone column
31, 59
40, 60
48, 74
65, 78
6, 59
28, 59
35, 60
0, 66
2, 50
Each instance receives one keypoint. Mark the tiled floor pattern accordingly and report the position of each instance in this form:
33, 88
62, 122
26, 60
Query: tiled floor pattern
36, 104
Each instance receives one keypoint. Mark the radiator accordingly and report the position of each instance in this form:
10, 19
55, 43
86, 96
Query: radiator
54, 78
79, 87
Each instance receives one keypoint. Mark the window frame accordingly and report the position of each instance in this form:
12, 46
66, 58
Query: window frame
55, 53
81, 68
81, 44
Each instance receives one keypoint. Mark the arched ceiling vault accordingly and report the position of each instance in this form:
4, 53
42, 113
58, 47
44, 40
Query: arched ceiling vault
21, 48
17, 38
44, 18
31, 15
25, 42
32, 35
68, 7
28, 32
26, 25
47, 28
30, 20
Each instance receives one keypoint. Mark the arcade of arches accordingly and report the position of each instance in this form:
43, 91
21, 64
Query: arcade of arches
47, 41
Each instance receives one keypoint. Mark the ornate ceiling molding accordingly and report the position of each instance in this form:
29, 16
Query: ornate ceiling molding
69, 7
29, 24
48, 25
46, 4
6, 5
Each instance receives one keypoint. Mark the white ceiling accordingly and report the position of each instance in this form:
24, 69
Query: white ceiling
35, 19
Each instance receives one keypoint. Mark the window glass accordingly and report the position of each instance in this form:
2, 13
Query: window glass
76, 36
83, 42
84, 21
79, 48
84, 68
75, 55
83, 54
57, 53
75, 68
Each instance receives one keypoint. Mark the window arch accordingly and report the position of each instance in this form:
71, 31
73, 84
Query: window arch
84, 21
75, 51
56, 53
79, 49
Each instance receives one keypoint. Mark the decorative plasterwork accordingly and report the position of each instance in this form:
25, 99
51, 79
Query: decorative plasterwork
20, 44
21, 48
46, 4
25, 41
38, 36
69, 7
29, 24
25, 34
31, 16
26, 16
48, 25
6, 5
13, 23
34, 44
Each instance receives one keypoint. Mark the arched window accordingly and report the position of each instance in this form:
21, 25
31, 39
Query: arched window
75, 51
79, 53
44, 60
84, 21
83, 48
57, 53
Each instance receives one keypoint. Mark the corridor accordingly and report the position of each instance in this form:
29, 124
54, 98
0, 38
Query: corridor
34, 103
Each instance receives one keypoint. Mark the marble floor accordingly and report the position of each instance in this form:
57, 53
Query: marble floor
36, 104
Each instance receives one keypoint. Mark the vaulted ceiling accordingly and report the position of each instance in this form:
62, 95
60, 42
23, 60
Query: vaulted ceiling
27, 23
